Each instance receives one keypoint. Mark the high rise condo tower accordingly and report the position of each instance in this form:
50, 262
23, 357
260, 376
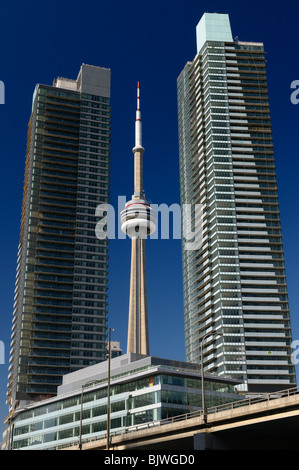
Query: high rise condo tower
60, 309
235, 290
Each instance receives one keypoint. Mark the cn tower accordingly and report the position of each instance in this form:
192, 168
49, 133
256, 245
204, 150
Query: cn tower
138, 221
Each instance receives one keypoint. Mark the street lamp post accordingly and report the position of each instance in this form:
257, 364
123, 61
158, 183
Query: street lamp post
203, 398
81, 410
108, 390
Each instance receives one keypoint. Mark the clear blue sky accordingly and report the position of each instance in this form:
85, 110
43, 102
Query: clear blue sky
150, 42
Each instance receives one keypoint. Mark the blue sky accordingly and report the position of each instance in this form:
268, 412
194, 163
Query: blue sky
148, 42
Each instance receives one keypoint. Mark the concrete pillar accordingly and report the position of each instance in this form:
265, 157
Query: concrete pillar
202, 441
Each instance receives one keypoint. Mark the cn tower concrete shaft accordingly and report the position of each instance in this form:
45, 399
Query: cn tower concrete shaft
138, 221
138, 336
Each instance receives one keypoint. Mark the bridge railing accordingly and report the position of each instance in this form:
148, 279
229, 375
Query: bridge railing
255, 399
213, 409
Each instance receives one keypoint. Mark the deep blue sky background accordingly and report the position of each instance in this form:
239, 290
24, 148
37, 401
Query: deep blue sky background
150, 42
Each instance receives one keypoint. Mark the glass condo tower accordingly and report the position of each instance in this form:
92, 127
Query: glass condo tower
234, 280
60, 308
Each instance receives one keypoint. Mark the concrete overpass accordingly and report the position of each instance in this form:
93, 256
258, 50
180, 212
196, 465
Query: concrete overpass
265, 423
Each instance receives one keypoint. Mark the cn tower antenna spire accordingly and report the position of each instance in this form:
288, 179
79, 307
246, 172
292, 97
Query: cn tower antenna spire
138, 123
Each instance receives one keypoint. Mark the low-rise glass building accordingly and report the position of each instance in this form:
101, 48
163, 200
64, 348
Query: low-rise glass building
142, 389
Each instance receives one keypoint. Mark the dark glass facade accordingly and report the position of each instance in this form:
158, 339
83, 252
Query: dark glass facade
60, 308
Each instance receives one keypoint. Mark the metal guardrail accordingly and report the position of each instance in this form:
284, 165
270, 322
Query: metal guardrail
264, 397
255, 399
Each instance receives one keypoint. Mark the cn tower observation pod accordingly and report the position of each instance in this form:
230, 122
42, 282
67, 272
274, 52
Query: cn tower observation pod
138, 219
